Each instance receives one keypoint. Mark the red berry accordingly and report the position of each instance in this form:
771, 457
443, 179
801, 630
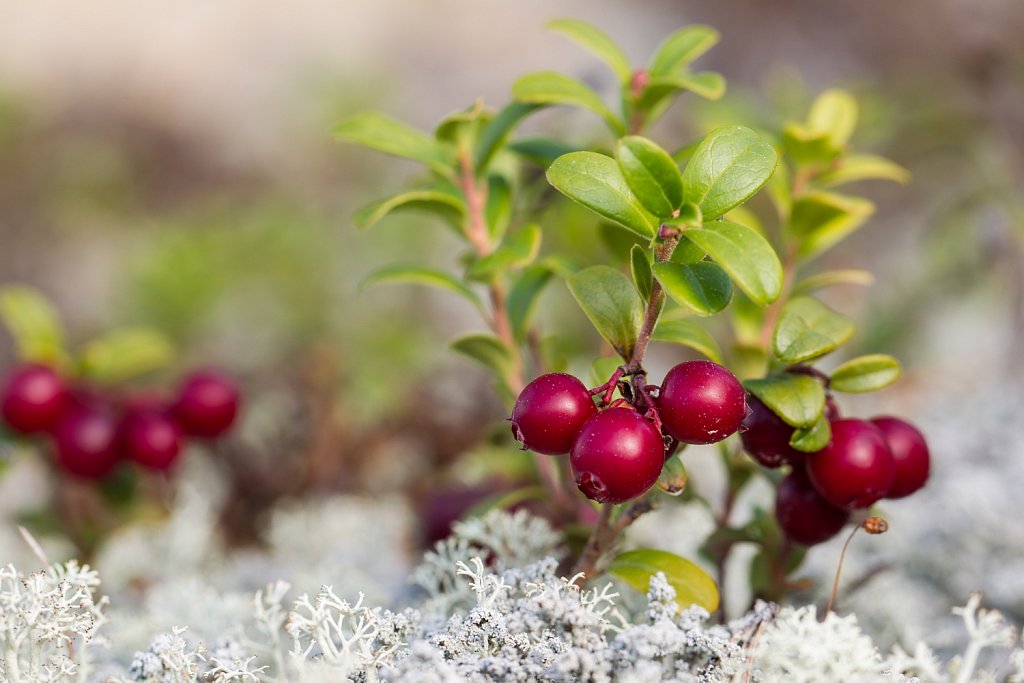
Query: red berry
806, 517
207, 405
909, 452
617, 456
550, 412
34, 399
150, 438
701, 402
766, 437
86, 442
856, 468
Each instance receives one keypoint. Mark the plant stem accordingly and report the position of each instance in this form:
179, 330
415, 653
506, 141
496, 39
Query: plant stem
839, 569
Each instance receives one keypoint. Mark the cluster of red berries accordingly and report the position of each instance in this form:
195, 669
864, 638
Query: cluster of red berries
93, 432
865, 461
617, 450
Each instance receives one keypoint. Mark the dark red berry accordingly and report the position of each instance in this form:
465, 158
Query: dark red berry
150, 438
86, 442
766, 437
856, 468
804, 516
550, 412
909, 452
701, 402
33, 399
617, 456
207, 405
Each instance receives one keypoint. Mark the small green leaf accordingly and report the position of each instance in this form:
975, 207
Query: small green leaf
460, 127
855, 167
421, 275
596, 182
808, 147
692, 584
809, 329
820, 219
553, 88
387, 135
497, 131
865, 373
746, 255
443, 204
728, 167
681, 48
830, 278
34, 325
689, 217
702, 287
690, 334
612, 304
687, 251
651, 174
523, 295
640, 267
673, 478
125, 353
798, 400
541, 151
488, 351
708, 84
518, 250
834, 113
812, 439
498, 209
597, 43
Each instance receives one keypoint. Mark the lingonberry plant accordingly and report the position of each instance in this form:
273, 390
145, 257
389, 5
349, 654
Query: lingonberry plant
95, 422
696, 251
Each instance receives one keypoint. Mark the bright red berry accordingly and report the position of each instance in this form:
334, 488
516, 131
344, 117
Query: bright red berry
150, 438
856, 468
86, 442
617, 456
765, 436
909, 452
33, 399
550, 412
207, 404
701, 402
806, 517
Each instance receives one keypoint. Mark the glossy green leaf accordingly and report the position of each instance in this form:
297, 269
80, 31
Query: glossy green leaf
498, 209
496, 132
727, 168
856, 167
673, 478
421, 275
820, 219
692, 584
488, 351
597, 43
612, 304
553, 88
834, 113
33, 324
865, 373
640, 267
443, 204
595, 181
523, 295
813, 438
519, 249
702, 287
681, 48
798, 400
125, 353
746, 255
830, 278
690, 334
651, 174
387, 135
809, 329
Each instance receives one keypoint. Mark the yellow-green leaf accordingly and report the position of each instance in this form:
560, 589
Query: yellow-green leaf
692, 584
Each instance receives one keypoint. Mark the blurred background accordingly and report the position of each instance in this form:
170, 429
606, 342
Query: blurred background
170, 165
